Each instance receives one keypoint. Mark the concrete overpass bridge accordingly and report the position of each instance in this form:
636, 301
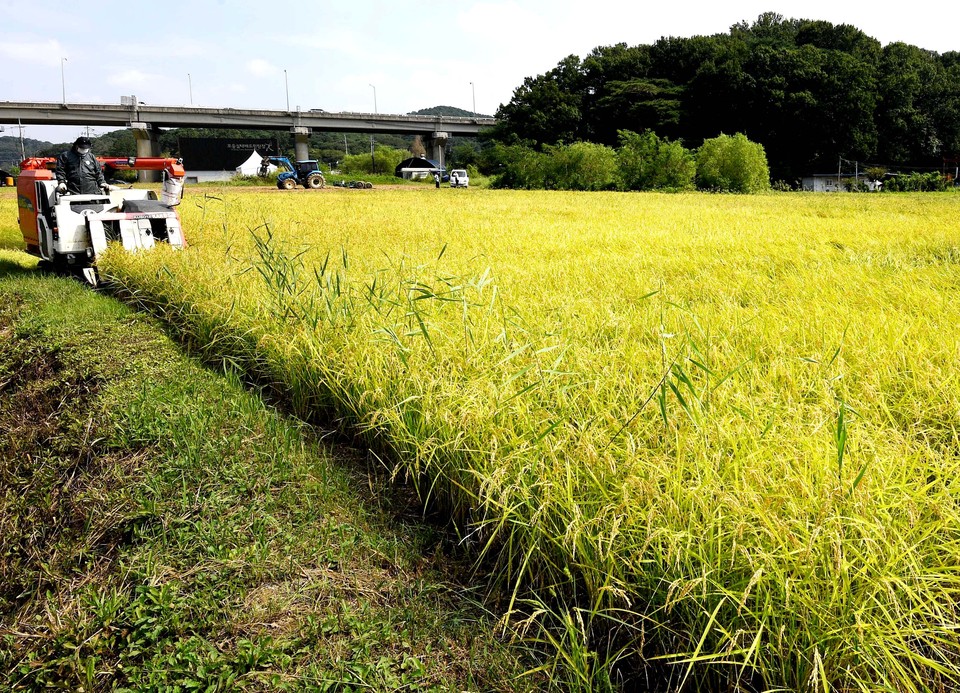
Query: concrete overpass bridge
146, 120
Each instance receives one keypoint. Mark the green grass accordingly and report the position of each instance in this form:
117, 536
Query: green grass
163, 528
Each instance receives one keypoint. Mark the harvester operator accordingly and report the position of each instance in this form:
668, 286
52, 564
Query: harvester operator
78, 170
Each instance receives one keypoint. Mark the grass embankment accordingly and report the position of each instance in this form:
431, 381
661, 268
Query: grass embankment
720, 430
161, 528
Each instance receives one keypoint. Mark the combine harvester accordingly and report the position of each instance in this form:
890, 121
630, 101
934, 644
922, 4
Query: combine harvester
68, 232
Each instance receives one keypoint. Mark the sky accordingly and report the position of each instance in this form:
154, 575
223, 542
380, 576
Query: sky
366, 55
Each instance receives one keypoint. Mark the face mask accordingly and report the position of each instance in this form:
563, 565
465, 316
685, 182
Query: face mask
82, 150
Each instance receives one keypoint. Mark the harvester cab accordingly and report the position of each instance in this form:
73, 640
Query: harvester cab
306, 173
68, 232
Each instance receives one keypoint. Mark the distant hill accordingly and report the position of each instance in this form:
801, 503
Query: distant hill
448, 111
10, 150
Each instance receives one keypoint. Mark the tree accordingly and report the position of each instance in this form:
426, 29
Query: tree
911, 82
417, 148
545, 109
732, 164
639, 104
385, 159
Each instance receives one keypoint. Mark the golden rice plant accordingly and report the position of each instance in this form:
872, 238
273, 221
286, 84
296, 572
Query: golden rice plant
715, 436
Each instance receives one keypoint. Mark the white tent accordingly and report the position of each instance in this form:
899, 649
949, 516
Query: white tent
251, 166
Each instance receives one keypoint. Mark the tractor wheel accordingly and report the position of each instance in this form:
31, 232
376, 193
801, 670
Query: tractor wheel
367, 185
315, 181
287, 184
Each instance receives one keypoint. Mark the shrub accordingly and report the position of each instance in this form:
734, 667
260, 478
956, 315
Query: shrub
916, 182
732, 164
647, 162
581, 166
519, 167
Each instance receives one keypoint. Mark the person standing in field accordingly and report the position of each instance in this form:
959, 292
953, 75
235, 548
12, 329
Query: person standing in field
78, 170
436, 180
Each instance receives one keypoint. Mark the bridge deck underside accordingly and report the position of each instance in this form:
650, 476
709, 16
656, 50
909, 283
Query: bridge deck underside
176, 117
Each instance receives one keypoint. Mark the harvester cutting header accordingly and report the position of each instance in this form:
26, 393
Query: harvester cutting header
69, 231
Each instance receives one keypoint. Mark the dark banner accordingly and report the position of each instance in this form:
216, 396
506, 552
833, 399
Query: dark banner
205, 154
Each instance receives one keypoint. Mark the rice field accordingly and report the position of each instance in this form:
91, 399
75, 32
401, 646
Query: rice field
702, 439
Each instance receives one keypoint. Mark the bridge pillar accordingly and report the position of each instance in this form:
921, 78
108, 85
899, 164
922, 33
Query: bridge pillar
147, 145
301, 143
438, 142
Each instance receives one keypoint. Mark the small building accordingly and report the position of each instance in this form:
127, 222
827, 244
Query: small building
418, 168
831, 182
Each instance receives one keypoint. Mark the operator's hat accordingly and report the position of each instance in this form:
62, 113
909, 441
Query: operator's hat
82, 142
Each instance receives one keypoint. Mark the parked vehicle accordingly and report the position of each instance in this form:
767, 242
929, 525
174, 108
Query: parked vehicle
459, 178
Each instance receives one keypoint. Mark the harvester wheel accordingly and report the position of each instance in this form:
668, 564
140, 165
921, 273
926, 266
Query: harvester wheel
315, 181
286, 184
367, 185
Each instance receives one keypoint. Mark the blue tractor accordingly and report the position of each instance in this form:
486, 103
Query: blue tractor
306, 173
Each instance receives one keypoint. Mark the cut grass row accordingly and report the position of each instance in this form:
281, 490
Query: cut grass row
713, 436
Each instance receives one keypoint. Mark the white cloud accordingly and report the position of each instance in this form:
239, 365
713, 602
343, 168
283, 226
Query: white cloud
261, 68
340, 40
131, 79
181, 48
41, 52
508, 24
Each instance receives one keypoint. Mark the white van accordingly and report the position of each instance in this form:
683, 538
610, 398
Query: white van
459, 178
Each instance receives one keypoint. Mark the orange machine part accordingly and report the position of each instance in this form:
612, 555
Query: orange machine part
27, 203
173, 167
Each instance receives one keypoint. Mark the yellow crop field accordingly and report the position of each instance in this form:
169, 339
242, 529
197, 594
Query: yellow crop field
713, 437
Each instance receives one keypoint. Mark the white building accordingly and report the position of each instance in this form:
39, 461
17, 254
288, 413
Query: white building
831, 182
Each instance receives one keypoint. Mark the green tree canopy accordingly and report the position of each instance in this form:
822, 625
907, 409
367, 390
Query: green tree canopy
809, 91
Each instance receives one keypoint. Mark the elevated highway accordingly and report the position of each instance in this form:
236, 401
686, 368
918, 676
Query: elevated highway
147, 119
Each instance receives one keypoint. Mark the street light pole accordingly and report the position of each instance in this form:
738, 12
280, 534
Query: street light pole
373, 159
287, 85
473, 89
190, 87
63, 80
